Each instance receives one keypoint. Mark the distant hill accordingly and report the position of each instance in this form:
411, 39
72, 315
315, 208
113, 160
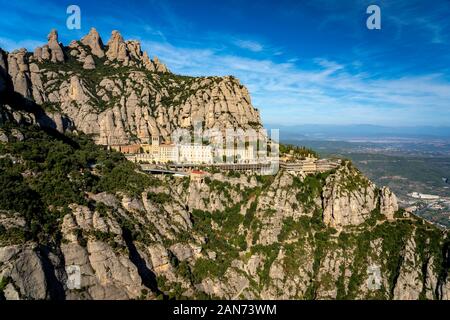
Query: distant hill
323, 131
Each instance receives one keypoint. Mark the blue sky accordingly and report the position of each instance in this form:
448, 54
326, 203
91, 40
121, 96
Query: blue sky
303, 61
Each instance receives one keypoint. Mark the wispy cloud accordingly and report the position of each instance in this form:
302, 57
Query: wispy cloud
11, 45
249, 45
325, 93
437, 34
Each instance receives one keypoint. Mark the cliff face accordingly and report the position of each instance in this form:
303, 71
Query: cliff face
231, 236
118, 94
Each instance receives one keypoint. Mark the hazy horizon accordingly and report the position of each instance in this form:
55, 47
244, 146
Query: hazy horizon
328, 131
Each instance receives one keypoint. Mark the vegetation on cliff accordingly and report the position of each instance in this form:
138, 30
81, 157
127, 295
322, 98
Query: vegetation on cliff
42, 174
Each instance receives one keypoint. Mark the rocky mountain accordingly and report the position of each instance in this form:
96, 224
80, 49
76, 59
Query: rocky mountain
67, 203
116, 93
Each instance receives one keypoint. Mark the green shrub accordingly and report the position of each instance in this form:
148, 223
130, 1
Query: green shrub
160, 198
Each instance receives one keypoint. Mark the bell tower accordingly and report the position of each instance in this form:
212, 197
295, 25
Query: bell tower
155, 140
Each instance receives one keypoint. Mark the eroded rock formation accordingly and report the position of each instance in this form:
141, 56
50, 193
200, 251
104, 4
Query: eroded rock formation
132, 96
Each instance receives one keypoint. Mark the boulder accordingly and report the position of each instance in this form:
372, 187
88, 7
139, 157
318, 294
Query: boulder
89, 63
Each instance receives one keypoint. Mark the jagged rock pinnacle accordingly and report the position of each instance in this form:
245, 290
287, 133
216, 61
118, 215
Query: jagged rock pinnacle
93, 41
160, 67
52, 50
117, 49
147, 62
53, 36
57, 54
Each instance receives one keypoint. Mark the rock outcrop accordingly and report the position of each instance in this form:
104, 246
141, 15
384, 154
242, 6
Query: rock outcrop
19, 72
348, 198
117, 49
94, 42
89, 63
159, 67
52, 50
388, 203
57, 54
128, 99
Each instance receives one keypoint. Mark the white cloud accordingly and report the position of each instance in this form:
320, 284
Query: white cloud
249, 45
11, 45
